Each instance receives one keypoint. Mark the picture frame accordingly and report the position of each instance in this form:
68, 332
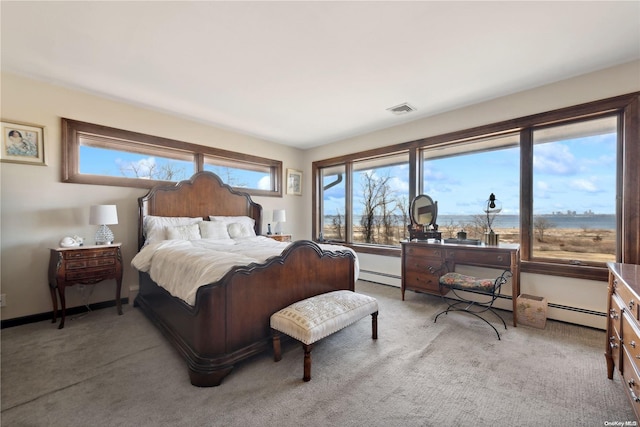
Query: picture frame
22, 143
294, 182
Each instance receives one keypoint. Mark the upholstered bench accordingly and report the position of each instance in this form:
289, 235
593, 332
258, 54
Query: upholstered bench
487, 287
317, 317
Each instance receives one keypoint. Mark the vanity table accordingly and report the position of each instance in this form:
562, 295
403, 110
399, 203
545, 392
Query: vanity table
426, 256
422, 260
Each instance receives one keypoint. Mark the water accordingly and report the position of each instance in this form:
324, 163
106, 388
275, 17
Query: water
590, 222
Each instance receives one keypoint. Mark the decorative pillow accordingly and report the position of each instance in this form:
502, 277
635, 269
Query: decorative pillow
183, 232
247, 221
214, 230
238, 230
154, 227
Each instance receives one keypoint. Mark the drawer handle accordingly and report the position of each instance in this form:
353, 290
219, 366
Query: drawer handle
613, 313
500, 258
631, 304
632, 344
631, 383
612, 342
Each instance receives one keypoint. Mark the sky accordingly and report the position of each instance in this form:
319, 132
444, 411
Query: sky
569, 175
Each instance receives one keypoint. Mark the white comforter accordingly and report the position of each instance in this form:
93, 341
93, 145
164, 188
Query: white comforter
182, 266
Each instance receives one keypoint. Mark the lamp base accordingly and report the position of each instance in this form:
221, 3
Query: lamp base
104, 236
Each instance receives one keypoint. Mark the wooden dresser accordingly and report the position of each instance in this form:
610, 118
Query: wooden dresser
421, 262
623, 328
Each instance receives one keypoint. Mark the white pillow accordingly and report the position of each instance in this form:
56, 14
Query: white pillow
213, 230
238, 230
154, 227
183, 232
247, 221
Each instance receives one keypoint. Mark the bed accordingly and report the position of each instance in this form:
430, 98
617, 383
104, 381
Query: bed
228, 320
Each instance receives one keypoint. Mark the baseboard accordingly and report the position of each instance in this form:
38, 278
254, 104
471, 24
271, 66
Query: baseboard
558, 312
33, 318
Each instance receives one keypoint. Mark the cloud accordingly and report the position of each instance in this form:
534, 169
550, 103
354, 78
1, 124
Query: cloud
584, 184
264, 183
553, 159
140, 169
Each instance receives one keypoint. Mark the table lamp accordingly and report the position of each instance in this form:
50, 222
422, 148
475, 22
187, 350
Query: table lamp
102, 215
279, 216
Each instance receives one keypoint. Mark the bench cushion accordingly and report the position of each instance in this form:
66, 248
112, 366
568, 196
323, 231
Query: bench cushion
461, 281
314, 318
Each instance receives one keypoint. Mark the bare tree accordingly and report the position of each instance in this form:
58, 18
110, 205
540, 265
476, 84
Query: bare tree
375, 192
540, 225
151, 170
402, 205
337, 224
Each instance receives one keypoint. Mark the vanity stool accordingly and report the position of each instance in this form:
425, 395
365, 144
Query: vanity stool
317, 317
488, 289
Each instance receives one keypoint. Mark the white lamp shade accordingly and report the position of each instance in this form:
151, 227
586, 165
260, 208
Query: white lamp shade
103, 214
279, 215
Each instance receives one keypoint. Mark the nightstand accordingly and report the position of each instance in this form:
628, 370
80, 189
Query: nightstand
280, 237
83, 265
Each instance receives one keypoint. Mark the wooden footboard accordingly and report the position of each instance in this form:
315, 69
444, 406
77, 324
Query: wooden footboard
230, 319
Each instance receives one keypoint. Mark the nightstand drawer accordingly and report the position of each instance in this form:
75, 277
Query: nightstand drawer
90, 275
96, 262
90, 253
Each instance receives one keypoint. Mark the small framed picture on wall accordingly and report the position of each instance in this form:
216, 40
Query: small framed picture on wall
22, 143
294, 182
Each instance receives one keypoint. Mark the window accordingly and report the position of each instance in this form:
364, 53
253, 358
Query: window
461, 177
568, 181
574, 191
99, 155
381, 199
333, 203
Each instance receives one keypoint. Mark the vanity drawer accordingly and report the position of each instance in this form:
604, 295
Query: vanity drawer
423, 251
422, 282
422, 265
476, 257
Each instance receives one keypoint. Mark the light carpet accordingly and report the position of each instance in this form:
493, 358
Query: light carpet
108, 370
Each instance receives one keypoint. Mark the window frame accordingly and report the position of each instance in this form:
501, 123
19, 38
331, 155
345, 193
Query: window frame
628, 185
73, 130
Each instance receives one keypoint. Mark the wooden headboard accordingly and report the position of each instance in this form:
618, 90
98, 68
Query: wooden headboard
202, 195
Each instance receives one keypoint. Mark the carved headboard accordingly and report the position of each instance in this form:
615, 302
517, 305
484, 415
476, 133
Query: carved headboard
202, 195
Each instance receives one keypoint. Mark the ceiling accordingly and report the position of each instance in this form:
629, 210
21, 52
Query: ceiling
306, 74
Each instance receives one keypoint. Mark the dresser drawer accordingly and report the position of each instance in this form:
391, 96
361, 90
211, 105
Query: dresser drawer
477, 257
90, 253
630, 337
629, 300
631, 381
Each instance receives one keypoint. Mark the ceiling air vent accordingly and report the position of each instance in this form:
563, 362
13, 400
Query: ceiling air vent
401, 109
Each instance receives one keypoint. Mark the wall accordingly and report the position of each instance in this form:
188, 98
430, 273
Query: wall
37, 209
582, 294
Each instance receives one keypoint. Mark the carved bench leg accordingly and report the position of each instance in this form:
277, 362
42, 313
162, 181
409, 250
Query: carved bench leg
374, 325
307, 362
277, 354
